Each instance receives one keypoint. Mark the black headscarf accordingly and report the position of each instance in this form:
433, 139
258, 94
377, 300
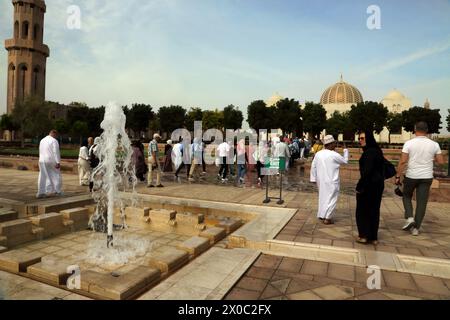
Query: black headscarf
370, 140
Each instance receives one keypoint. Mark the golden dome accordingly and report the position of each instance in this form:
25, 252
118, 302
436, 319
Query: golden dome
274, 99
342, 93
395, 95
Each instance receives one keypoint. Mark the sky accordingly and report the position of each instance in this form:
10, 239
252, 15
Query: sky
212, 53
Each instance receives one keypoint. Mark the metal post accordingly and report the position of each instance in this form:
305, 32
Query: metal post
267, 200
280, 201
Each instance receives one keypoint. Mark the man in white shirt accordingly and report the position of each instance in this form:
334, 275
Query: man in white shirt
325, 172
418, 156
223, 151
49, 166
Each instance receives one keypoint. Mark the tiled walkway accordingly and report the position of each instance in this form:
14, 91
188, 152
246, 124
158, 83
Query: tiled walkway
282, 278
287, 278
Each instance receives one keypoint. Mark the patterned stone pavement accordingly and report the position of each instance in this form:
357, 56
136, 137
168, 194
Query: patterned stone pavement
273, 277
282, 278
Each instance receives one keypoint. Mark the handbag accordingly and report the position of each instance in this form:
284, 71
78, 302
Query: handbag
388, 169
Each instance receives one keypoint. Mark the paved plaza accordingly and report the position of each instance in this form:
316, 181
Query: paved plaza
260, 273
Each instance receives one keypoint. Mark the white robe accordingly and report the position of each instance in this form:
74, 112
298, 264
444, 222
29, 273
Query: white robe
177, 157
325, 172
49, 177
84, 167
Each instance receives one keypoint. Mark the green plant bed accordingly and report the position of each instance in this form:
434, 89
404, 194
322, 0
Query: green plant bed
34, 152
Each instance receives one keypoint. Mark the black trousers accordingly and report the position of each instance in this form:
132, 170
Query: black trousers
368, 206
259, 165
224, 168
188, 168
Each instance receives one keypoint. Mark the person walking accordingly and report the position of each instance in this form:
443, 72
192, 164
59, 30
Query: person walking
325, 173
223, 151
94, 161
242, 161
84, 167
418, 156
153, 162
168, 164
138, 160
197, 157
49, 181
281, 150
369, 190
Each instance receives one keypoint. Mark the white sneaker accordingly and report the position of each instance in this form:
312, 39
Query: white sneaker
415, 232
409, 224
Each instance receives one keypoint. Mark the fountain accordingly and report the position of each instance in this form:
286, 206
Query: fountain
115, 171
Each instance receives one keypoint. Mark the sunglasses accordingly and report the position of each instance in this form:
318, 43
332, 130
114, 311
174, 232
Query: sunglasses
362, 139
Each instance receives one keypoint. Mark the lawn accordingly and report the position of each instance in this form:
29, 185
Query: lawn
34, 152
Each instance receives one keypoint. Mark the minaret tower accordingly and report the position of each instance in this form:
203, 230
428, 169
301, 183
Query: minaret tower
27, 54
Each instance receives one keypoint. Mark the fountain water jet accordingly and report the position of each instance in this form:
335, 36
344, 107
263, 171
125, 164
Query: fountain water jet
115, 171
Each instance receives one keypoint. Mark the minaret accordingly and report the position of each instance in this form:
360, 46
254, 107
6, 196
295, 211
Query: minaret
427, 104
27, 54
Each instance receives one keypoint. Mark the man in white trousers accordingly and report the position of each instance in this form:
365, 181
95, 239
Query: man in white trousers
325, 172
50, 181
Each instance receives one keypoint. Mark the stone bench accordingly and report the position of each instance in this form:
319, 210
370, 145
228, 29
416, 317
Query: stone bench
195, 245
53, 224
7, 214
18, 261
50, 271
16, 232
214, 234
79, 216
122, 287
168, 261
230, 225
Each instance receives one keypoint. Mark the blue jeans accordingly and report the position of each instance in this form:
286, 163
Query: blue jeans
242, 170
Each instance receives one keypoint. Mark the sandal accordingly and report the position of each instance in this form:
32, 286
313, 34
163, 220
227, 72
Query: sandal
328, 221
361, 240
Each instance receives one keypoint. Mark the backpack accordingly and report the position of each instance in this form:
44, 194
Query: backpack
388, 169
94, 161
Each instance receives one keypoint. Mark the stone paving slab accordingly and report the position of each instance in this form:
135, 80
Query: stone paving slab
13, 287
272, 277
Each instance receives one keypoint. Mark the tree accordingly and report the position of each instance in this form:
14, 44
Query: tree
232, 118
339, 123
94, 119
448, 120
394, 123
171, 118
139, 117
213, 120
194, 114
77, 113
369, 115
61, 126
288, 115
7, 123
259, 116
431, 116
314, 119
78, 105
79, 130
32, 117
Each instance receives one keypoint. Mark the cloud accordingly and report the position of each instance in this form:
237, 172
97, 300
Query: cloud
399, 62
